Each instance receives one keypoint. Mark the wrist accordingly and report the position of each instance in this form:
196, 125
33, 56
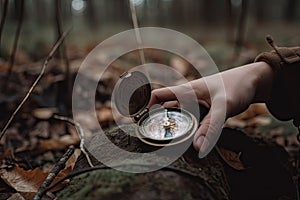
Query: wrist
264, 76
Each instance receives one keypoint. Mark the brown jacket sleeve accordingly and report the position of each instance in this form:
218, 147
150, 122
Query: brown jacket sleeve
284, 102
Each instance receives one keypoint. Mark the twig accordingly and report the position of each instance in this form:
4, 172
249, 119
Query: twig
3, 17
49, 57
16, 41
80, 133
137, 32
61, 164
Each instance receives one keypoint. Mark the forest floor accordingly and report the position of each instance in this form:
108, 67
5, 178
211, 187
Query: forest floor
35, 139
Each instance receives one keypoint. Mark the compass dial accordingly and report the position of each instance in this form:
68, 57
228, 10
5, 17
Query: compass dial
166, 124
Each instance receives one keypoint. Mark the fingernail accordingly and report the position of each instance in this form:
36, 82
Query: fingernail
203, 149
200, 141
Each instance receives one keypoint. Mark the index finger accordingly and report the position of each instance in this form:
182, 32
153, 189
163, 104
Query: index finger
162, 95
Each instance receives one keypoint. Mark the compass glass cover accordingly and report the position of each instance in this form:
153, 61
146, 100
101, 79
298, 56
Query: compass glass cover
166, 125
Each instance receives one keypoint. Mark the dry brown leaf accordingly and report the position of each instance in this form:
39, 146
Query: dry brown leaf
72, 160
247, 114
26, 182
259, 121
231, 158
280, 140
8, 153
44, 113
41, 130
235, 123
259, 109
58, 143
104, 114
252, 111
22, 180
58, 128
70, 163
16, 196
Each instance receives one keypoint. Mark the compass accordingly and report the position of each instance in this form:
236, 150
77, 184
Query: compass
156, 127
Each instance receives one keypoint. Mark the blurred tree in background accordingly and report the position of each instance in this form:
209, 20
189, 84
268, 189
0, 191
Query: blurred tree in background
236, 22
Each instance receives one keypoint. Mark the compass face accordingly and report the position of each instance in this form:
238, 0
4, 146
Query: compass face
166, 124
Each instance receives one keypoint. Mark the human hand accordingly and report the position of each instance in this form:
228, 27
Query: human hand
225, 94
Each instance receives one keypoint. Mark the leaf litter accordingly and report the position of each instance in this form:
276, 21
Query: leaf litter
35, 140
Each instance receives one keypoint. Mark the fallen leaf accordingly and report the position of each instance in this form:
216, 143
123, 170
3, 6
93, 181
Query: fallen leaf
22, 180
27, 182
280, 140
247, 114
16, 196
72, 160
253, 111
58, 143
8, 153
70, 163
259, 121
235, 123
40, 130
104, 114
58, 128
259, 108
231, 158
44, 113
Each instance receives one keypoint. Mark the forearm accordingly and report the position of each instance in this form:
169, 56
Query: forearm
263, 81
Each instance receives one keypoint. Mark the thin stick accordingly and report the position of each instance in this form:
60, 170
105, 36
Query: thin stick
3, 17
49, 57
16, 41
80, 133
61, 164
137, 32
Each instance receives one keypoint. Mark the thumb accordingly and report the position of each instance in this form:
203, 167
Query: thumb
209, 131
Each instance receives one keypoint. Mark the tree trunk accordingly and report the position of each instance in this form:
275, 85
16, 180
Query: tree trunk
290, 10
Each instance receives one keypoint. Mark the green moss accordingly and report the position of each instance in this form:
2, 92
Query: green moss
100, 183
187, 196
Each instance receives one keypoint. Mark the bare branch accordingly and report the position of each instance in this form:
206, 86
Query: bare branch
49, 57
61, 164
137, 32
16, 41
3, 18
80, 133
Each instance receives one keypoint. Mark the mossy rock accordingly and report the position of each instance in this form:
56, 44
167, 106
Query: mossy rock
186, 178
267, 174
